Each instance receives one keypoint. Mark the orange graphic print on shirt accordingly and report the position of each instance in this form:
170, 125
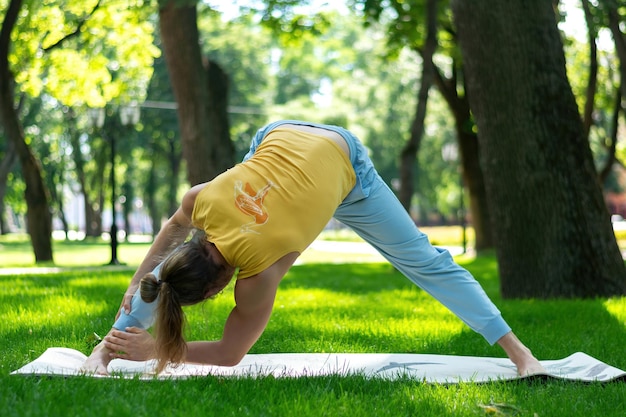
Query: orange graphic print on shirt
250, 202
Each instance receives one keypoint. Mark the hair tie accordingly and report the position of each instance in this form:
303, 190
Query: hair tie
159, 283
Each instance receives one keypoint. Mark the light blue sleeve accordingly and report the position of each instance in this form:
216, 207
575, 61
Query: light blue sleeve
141, 313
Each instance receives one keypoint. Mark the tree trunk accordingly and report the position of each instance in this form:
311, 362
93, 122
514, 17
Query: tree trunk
222, 148
552, 230
5, 168
39, 220
173, 158
620, 49
408, 155
62, 217
92, 225
202, 130
607, 167
473, 178
150, 196
620, 41
474, 182
128, 191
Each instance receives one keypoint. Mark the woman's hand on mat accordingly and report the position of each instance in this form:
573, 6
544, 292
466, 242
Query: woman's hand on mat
134, 344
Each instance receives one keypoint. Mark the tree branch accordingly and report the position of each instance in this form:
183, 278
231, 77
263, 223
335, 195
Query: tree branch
75, 32
611, 158
10, 19
593, 69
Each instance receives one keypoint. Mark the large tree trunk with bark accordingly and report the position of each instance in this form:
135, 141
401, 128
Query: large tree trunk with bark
204, 132
552, 231
39, 220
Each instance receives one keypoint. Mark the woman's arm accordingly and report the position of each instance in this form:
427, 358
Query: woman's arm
254, 298
173, 233
254, 302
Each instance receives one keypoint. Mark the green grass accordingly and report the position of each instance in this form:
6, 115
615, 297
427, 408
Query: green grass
16, 251
320, 307
439, 235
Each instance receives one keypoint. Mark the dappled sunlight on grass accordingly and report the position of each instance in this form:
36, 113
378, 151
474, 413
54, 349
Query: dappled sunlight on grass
46, 302
386, 305
617, 308
353, 278
340, 308
91, 282
49, 311
355, 308
65, 309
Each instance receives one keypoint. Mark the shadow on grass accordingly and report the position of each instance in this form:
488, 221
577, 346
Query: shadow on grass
354, 278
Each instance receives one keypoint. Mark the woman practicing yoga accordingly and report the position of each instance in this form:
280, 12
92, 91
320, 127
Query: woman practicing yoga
257, 218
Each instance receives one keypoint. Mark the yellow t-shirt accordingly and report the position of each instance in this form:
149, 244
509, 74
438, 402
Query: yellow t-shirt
276, 202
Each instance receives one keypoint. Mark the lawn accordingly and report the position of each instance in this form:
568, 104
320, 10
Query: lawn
322, 306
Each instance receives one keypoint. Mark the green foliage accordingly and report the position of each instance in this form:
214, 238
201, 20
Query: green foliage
69, 55
14, 197
325, 67
284, 59
290, 25
83, 53
157, 154
577, 56
405, 21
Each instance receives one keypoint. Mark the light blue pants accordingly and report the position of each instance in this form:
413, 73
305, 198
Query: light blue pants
372, 210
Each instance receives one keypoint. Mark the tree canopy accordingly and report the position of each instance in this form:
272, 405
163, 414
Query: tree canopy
360, 66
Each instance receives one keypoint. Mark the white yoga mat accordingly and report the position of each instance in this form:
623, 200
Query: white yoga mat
428, 368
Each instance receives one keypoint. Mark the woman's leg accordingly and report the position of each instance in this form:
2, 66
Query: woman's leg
375, 213
382, 221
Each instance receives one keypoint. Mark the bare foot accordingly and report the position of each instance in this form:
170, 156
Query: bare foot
530, 366
98, 361
521, 356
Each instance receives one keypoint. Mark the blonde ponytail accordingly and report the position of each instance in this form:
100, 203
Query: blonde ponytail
169, 327
187, 276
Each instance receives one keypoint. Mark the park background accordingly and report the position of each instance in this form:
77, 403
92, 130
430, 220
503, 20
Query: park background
111, 109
